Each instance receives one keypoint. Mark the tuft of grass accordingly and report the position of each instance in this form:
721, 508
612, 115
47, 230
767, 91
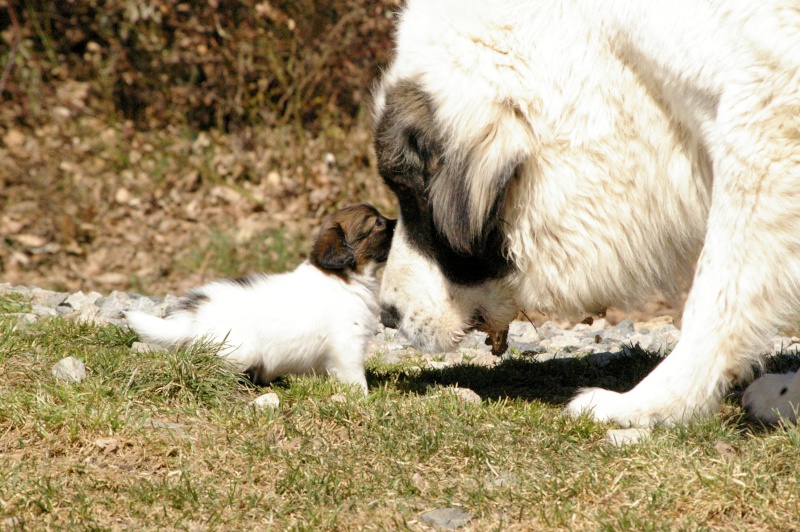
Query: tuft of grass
166, 439
14, 303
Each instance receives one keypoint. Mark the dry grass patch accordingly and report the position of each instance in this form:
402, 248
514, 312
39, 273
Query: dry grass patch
169, 440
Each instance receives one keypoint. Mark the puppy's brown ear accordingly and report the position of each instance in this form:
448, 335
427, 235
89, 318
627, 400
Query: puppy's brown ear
331, 250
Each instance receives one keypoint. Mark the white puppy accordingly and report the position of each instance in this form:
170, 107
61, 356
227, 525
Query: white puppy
774, 397
315, 319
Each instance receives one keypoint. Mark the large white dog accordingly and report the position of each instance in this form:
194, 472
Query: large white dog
569, 155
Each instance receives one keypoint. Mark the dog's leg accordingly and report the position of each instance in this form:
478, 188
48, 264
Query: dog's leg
748, 276
346, 364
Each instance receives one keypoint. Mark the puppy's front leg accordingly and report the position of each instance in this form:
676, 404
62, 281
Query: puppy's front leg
346, 363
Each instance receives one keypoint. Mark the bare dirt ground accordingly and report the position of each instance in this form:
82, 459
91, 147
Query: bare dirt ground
91, 206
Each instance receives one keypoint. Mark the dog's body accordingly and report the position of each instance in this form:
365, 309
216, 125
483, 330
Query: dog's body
314, 319
567, 156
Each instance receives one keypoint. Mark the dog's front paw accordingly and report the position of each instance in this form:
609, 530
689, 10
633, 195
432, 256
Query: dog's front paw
624, 409
596, 402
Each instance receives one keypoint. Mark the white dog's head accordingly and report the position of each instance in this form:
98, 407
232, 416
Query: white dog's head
774, 397
448, 270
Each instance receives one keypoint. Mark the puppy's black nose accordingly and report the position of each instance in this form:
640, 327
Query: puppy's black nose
390, 317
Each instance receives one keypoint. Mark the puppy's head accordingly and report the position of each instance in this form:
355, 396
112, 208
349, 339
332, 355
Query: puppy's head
355, 239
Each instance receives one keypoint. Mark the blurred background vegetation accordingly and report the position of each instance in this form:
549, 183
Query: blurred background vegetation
150, 145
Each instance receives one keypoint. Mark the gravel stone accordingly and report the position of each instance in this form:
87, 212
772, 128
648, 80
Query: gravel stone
465, 394
486, 359
447, 518
25, 318
79, 300
46, 298
142, 347
268, 401
623, 437
44, 311
599, 341
69, 369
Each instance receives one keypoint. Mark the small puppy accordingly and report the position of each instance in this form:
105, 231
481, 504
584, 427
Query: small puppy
773, 398
314, 319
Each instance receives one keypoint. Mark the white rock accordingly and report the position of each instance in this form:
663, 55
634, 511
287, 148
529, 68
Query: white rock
446, 518
645, 341
453, 358
523, 332
335, 398
79, 299
623, 437
69, 369
266, 401
558, 342
465, 394
485, 359
142, 347
43, 311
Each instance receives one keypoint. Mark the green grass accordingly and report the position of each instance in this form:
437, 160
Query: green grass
12, 302
167, 439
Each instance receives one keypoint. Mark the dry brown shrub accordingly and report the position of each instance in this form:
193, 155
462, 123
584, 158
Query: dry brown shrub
215, 63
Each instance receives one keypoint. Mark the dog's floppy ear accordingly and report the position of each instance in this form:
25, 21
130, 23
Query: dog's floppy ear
331, 250
467, 195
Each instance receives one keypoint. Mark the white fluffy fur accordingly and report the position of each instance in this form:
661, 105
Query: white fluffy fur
774, 397
651, 137
303, 321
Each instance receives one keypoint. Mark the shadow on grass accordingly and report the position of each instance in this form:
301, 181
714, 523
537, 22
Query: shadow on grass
553, 382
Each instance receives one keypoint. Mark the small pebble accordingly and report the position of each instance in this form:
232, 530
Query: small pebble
465, 394
623, 437
69, 369
267, 401
447, 518
335, 398
142, 347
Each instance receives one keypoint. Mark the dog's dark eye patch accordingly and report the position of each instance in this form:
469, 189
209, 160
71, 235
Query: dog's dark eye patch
410, 153
784, 390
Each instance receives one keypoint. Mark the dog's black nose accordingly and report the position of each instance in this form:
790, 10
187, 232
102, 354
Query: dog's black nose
390, 317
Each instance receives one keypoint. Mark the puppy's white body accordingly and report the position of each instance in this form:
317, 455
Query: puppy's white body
315, 319
614, 146
304, 321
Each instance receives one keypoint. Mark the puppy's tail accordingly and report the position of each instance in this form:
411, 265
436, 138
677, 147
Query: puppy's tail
171, 331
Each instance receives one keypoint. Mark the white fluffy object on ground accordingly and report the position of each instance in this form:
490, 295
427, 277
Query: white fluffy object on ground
774, 397
315, 319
